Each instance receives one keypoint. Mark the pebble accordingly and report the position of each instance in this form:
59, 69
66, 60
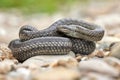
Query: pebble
112, 61
5, 52
115, 50
56, 74
19, 74
6, 66
70, 63
106, 42
61, 67
110, 39
44, 60
100, 54
2, 77
99, 66
95, 76
117, 35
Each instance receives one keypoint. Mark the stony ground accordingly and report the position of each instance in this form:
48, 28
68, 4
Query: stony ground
102, 64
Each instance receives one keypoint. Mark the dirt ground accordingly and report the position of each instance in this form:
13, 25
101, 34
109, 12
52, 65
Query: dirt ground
102, 64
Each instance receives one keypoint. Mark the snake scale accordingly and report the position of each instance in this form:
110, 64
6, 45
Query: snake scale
61, 37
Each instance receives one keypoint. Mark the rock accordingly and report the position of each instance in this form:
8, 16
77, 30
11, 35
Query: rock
19, 74
45, 60
106, 42
2, 77
115, 50
99, 66
103, 46
112, 61
5, 52
31, 66
117, 35
56, 74
95, 76
6, 66
70, 63
100, 54
78, 58
110, 39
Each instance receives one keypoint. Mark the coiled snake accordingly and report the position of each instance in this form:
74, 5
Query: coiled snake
61, 37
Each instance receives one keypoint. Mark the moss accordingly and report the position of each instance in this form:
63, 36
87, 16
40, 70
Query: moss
35, 6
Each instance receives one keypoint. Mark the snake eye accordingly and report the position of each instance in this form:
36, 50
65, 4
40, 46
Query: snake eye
27, 29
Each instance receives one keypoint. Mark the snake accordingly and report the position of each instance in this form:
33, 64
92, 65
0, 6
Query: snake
60, 38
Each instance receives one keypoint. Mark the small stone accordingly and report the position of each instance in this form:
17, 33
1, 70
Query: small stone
56, 74
95, 76
78, 58
112, 61
43, 60
104, 46
70, 63
2, 77
100, 54
115, 50
117, 35
5, 52
31, 66
6, 66
110, 39
71, 53
99, 66
106, 42
20, 74
84, 58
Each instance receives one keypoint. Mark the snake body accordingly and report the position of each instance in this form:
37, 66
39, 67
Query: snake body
61, 37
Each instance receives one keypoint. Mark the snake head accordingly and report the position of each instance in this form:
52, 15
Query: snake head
25, 31
69, 30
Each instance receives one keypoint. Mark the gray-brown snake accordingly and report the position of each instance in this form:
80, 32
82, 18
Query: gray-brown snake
61, 37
